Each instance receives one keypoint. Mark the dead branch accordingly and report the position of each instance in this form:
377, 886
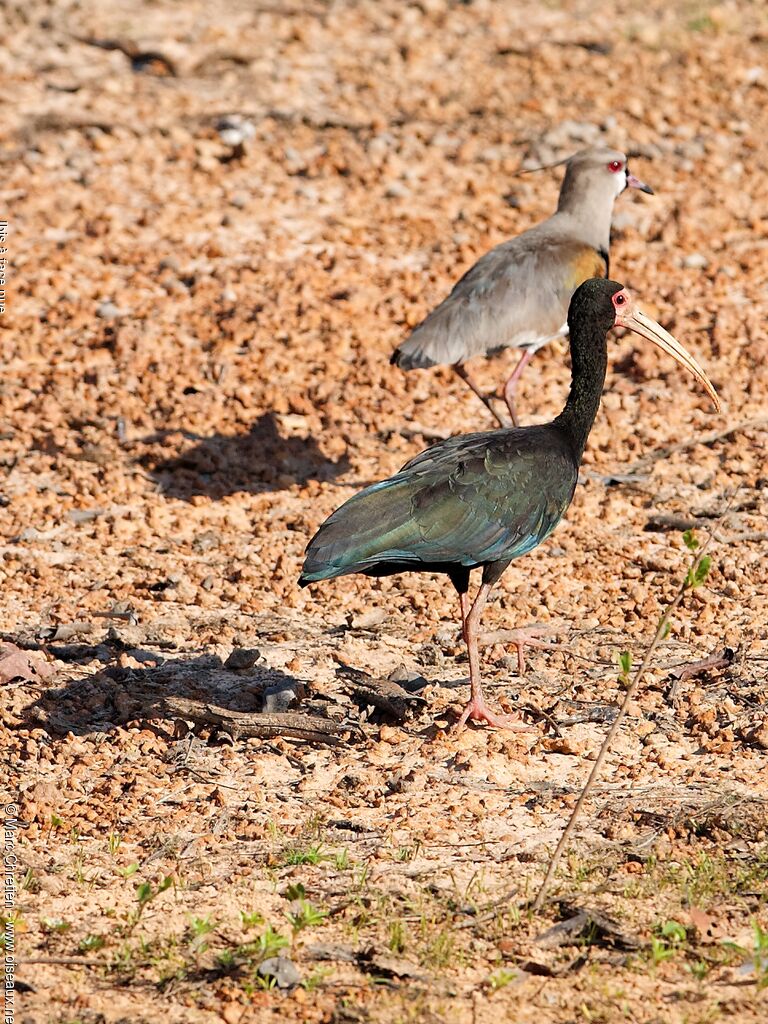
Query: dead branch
247, 725
721, 659
62, 961
384, 694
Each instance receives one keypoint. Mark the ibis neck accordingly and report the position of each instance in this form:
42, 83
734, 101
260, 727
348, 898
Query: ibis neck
589, 360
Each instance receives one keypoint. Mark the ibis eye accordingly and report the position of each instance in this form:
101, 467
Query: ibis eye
620, 299
615, 165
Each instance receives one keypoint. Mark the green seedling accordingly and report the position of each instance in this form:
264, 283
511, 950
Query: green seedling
305, 916
699, 969
501, 978
145, 894
341, 860
625, 667
310, 855
225, 958
698, 573
670, 938
266, 984
53, 925
29, 883
690, 540
406, 854
759, 959
269, 943
761, 954
199, 927
316, 978
397, 936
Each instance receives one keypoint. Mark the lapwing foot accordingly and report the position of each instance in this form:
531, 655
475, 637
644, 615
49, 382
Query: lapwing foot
520, 639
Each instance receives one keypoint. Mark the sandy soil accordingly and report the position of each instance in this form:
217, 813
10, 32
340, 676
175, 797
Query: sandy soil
195, 372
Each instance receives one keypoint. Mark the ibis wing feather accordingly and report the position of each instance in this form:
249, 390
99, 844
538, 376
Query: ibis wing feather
467, 501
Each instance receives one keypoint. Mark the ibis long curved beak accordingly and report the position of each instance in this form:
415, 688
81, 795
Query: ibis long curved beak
646, 327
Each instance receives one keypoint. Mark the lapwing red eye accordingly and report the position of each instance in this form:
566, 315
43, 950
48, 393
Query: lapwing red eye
615, 165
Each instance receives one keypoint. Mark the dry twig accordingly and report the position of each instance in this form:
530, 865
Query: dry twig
241, 724
759, 423
692, 579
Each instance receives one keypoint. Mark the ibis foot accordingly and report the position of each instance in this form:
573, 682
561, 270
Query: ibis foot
478, 711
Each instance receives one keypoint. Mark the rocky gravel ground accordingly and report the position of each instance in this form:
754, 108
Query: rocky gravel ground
245, 802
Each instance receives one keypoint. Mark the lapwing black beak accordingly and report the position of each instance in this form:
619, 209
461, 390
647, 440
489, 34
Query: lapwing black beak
633, 182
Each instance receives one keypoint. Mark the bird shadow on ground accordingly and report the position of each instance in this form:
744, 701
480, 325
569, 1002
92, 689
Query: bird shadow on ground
261, 460
116, 694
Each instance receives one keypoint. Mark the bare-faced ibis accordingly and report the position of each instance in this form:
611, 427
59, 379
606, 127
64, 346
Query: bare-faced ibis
477, 501
517, 295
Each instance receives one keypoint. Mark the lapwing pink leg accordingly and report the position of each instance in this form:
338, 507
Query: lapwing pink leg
464, 374
477, 709
511, 386
528, 636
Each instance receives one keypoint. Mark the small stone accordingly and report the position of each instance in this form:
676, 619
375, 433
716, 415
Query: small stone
695, 261
759, 735
235, 130
397, 190
408, 679
107, 310
242, 658
277, 699
232, 1013
370, 618
282, 970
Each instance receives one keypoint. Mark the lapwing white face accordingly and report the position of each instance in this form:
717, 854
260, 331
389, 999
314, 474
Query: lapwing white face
628, 315
619, 169
603, 172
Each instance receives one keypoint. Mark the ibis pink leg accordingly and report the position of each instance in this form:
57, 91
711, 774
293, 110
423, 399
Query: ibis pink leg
477, 709
464, 374
464, 599
511, 386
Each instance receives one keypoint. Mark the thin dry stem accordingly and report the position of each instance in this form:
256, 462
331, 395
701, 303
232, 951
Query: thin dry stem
659, 635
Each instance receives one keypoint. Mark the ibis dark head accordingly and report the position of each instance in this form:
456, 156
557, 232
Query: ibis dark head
592, 303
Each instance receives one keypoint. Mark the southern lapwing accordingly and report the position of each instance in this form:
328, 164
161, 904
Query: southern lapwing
517, 295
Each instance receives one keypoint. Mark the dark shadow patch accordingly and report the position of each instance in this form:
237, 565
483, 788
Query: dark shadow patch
116, 695
261, 460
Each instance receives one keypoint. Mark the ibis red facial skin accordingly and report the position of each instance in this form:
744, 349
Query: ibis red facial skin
477, 501
517, 295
